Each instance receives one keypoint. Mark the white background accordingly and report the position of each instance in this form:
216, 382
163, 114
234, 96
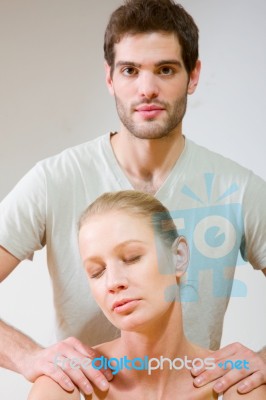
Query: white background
53, 95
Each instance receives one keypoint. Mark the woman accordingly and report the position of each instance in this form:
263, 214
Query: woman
134, 260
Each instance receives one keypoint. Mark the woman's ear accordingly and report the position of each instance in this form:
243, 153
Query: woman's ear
180, 255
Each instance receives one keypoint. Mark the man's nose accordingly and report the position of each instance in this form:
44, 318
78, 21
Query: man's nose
148, 85
116, 278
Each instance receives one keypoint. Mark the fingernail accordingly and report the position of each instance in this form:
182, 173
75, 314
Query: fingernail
88, 389
104, 385
242, 387
108, 374
69, 384
197, 368
218, 387
199, 380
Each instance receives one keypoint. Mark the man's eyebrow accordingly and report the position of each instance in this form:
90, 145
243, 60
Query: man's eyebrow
158, 64
168, 62
127, 63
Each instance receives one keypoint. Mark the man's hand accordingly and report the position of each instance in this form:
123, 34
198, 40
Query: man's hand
67, 362
235, 363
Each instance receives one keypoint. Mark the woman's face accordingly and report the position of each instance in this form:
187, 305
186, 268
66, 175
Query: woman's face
120, 255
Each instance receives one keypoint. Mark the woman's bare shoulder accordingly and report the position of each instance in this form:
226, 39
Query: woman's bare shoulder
45, 388
108, 348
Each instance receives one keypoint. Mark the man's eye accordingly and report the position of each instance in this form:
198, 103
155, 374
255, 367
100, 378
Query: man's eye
129, 71
166, 71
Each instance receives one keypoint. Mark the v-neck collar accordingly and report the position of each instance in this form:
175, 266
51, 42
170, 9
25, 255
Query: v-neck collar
172, 178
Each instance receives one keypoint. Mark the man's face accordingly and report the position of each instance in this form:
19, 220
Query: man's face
150, 84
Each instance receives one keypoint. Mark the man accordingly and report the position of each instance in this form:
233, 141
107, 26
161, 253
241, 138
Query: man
152, 64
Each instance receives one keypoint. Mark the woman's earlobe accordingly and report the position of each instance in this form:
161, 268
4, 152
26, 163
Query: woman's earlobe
180, 251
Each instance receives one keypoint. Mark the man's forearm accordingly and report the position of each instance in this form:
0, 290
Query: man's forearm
15, 347
21, 354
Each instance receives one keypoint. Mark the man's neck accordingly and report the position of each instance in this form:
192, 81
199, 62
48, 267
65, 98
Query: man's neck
147, 163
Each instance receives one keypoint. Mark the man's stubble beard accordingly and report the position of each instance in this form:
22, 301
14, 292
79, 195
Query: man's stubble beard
153, 129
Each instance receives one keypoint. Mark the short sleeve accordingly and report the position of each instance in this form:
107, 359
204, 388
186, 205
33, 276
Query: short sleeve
254, 210
23, 215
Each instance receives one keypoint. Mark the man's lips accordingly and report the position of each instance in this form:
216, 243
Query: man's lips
149, 108
149, 111
124, 305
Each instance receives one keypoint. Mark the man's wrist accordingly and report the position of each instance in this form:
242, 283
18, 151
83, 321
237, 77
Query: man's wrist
25, 359
262, 353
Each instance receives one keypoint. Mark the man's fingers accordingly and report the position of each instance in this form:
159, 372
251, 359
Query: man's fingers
66, 379
59, 376
70, 364
228, 351
79, 368
99, 376
252, 382
90, 353
207, 376
229, 379
81, 348
98, 379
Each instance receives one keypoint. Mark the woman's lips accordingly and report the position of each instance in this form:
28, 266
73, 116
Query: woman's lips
125, 305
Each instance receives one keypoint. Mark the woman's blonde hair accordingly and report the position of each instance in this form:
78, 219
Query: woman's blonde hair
137, 204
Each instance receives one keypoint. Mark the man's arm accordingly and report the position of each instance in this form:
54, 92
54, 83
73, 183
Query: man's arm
21, 354
7, 263
244, 379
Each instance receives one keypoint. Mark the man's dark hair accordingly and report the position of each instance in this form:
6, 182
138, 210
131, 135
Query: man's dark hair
144, 16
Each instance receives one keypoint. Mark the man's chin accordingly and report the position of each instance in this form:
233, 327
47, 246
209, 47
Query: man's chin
150, 135
152, 132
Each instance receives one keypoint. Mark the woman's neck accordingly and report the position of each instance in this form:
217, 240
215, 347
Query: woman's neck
150, 361
161, 339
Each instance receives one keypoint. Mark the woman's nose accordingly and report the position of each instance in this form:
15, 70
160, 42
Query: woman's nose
116, 278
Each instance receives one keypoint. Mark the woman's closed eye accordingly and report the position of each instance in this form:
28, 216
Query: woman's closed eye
97, 274
132, 259
95, 271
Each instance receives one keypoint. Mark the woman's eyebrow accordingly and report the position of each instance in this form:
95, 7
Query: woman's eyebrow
97, 259
130, 241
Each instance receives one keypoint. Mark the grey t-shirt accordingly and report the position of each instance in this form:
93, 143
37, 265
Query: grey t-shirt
217, 204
